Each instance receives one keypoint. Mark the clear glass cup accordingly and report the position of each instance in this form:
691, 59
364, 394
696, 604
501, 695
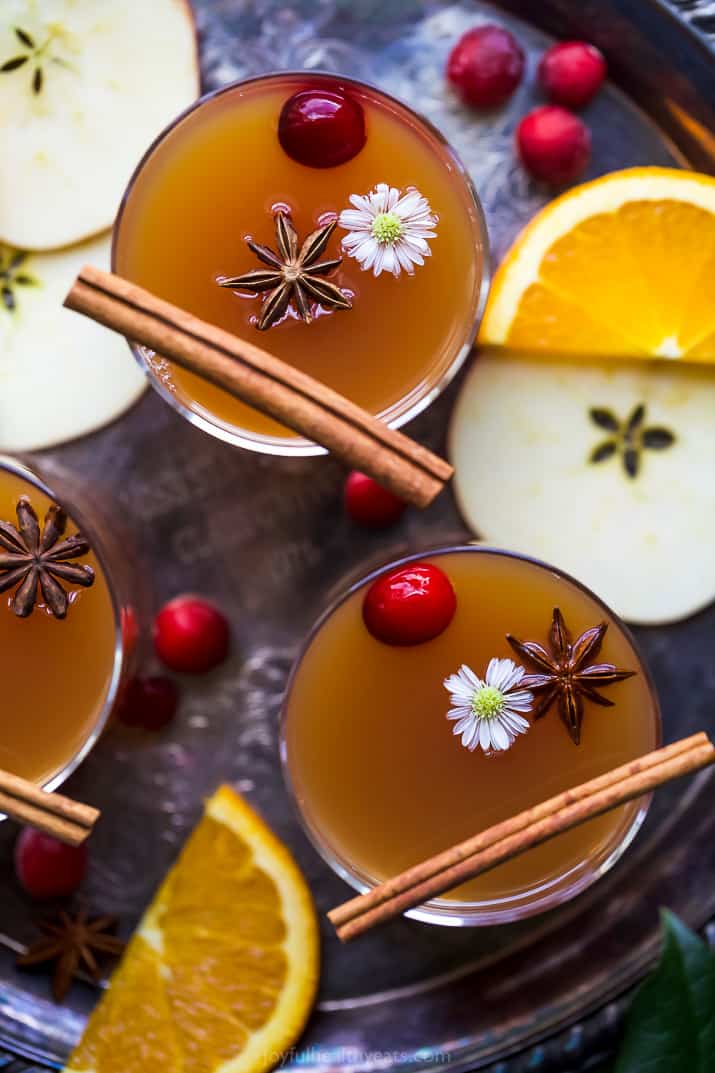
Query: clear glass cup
425, 389
560, 886
109, 545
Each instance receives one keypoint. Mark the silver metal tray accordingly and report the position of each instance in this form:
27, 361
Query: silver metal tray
267, 538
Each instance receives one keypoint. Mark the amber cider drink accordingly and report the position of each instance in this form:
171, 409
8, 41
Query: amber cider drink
219, 176
381, 780
60, 675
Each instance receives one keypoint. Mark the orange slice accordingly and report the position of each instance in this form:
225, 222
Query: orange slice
223, 969
624, 265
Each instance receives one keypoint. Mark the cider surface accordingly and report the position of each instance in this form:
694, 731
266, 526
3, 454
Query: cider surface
214, 179
55, 672
372, 757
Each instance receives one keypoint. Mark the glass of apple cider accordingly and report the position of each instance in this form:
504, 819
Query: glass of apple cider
388, 301
67, 628
447, 692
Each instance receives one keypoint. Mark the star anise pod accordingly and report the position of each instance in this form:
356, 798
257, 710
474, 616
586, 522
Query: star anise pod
566, 674
292, 273
30, 558
71, 943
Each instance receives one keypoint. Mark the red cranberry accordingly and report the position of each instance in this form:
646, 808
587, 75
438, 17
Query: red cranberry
149, 702
571, 73
554, 145
321, 128
369, 504
409, 605
191, 635
47, 868
130, 629
486, 66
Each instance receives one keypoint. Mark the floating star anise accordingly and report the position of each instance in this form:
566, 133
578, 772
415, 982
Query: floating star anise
292, 273
32, 558
628, 438
567, 674
71, 943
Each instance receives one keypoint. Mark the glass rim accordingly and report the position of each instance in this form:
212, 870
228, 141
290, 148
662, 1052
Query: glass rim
515, 906
423, 394
25, 470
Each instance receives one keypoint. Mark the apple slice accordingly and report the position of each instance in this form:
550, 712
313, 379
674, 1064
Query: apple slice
547, 465
85, 85
60, 375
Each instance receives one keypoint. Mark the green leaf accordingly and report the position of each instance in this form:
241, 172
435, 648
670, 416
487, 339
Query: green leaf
671, 1024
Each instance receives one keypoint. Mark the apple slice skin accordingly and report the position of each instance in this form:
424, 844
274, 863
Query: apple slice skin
61, 375
520, 440
113, 76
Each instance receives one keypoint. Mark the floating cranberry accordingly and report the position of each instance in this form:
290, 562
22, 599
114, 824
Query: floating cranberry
554, 145
485, 66
191, 635
369, 503
149, 702
409, 605
321, 128
572, 72
47, 868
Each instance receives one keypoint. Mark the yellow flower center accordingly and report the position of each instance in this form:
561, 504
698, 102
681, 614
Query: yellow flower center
488, 702
387, 227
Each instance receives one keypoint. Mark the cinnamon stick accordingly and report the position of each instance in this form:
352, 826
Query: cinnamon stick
67, 820
449, 857
260, 379
519, 834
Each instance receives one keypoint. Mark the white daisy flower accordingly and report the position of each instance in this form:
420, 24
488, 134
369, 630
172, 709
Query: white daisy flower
487, 712
388, 230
